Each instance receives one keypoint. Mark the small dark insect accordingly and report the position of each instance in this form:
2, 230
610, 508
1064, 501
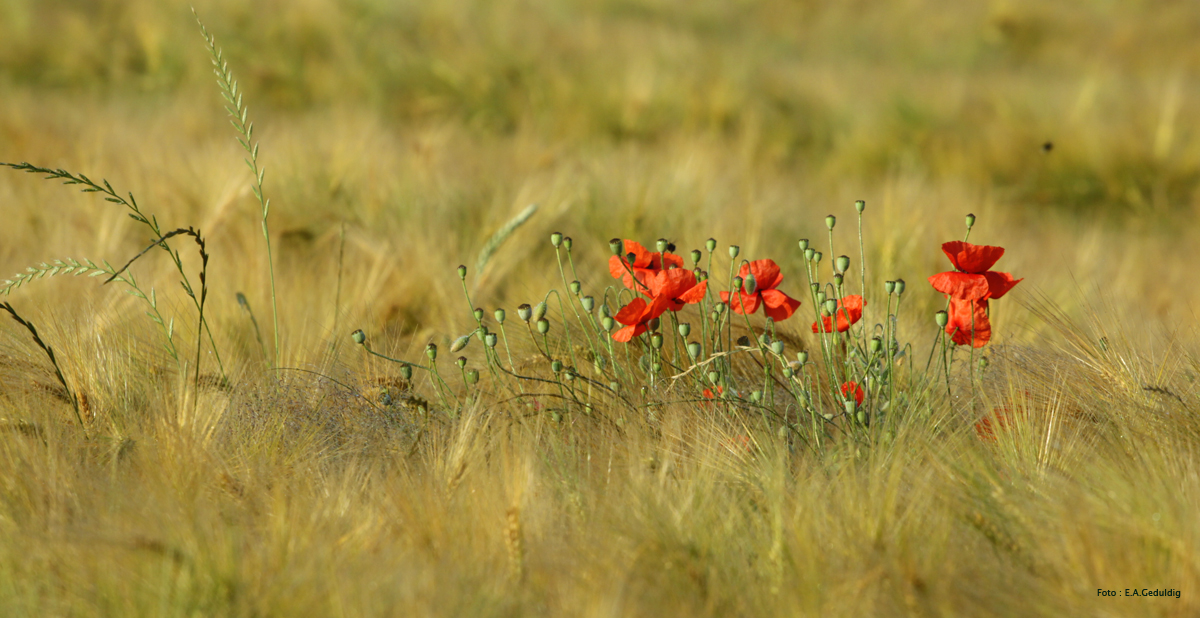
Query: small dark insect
1048, 146
670, 247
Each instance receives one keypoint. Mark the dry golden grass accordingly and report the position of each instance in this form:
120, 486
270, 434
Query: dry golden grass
420, 129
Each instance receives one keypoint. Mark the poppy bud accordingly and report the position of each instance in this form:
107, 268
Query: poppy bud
472, 376
719, 308
715, 315
983, 362
656, 367
850, 405
556, 239
607, 323
737, 284
567, 243
970, 221
478, 314
656, 340
358, 336
701, 276
764, 339
830, 221
556, 366
693, 350
539, 310
831, 306
713, 377
490, 339
499, 313
815, 287
605, 311
575, 287
653, 324
899, 287
616, 246
842, 263
860, 206
406, 372
711, 244
838, 279
777, 347
461, 362
788, 373
543, 326
804, 244
462, 272
431, 351
696, 255
809, 253
889, 287
525, 312
661, 245
756, 396
817, 257
942, 318
820, 298
750, 283
802, 356
588, 303
685, 329
460, 343
876, 345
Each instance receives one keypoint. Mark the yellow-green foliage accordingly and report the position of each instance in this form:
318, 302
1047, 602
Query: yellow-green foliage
399, 136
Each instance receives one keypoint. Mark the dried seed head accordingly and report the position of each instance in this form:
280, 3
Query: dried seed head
359, 337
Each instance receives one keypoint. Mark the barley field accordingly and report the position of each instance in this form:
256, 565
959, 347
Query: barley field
293, 411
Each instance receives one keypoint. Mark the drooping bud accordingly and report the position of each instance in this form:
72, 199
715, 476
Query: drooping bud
556, 239
693, 350
616, 246
575, 286
358, 336
431, 351
543, 326
696, 255
588, 303
499, 313
860, 206
889, 287
713, 377
831, 306
711, 244
460, 343
842, 263
605, 311
830, 221
656, 341
804, 244
876, 345
750, 283
539, 310
970, 221
942, 318
685, 329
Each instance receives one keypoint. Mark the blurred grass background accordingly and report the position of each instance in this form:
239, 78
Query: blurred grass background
419, 128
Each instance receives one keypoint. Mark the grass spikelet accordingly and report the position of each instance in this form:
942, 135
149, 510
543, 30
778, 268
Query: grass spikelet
53, 361
493, 244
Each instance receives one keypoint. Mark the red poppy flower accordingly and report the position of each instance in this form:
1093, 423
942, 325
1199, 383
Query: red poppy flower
645, 265
670, 290
972, 280
849, 312
708, 394
1002, 417
636, 317
777, 305
847, 387
969, 322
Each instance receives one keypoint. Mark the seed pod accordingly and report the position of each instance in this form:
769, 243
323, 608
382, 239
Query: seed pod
693, 350
817, 255
358, 336
830, 306
499, 313
472, 376
942, 318
685, 329
809, 253
478, 314
970, 221
461, 362
567, 242
756, 396
838, 279
830, 221
607, 323
719, 308
460, 343
842, 263
569, 375
490, 340
588, 303
711, 244
525, 312
777, 347
876, 345
804, 244
406, 372
462, 272
556, 366
661, 244
543, 326
431, 351
889, 287
575, 286
899, 287
556, 239
737, 284
605, 311
696, 255
788, 373
820, 298
860, 206
656, 340
713, 377
750, 283
802, 356
631, 258
616, 246
734, 250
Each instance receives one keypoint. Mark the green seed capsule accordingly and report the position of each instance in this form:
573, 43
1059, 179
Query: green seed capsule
567, 242
756, 396
478, 314
491, 340
734, 250
431, 351
661, 245
713, 377
804, 244
525, 312
543, 326
838, 279
472, 376
820, 298
860, 206
657, 367
802, 356
556, 366
406, 372
575, 286
588, 303
685, 329
607, 323
942, 318
809, 254
777, 347
830, 221
830, 305
899, 287
970, 221
876, 345
358, 336
711, 244
616, 246
817, 255
889, 287
842, 263
693, 350
462, 272
788, 373
556, 239
737, 284
461, 362
499, 313
696, 255
656, 340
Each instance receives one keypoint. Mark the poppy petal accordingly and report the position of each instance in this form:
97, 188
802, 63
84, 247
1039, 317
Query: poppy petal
777, 305
969, 323
633, 312
694, 295
627, 333
968, 258
766, 274
962, 286
642, 257
744, 303
1000, 283
859, 395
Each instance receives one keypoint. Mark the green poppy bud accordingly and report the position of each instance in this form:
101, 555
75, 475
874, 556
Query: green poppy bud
756, 396
525, 312
737, 284
804, 244
605, 311
617, 246
889, 287
983, 362
575, 286
460, 343
661, 245
696, 255
472, 376
607, 323
461, 362
809, 253
842, 263
588, 303
685, 329
656, 340
830, 221
970, 221
539, 310
777, 347
942, 318
556, 366
499, 313
860, 206
838, 279
556, 239
899, 287
831, 305
359, 337
462, 272
734, 250
750, 283
820, 298
478, 313
490, 340
543, 326
431, 351
406, 372
788, 373
701, 276
802, 356
711, 244
876, 345
693, 350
